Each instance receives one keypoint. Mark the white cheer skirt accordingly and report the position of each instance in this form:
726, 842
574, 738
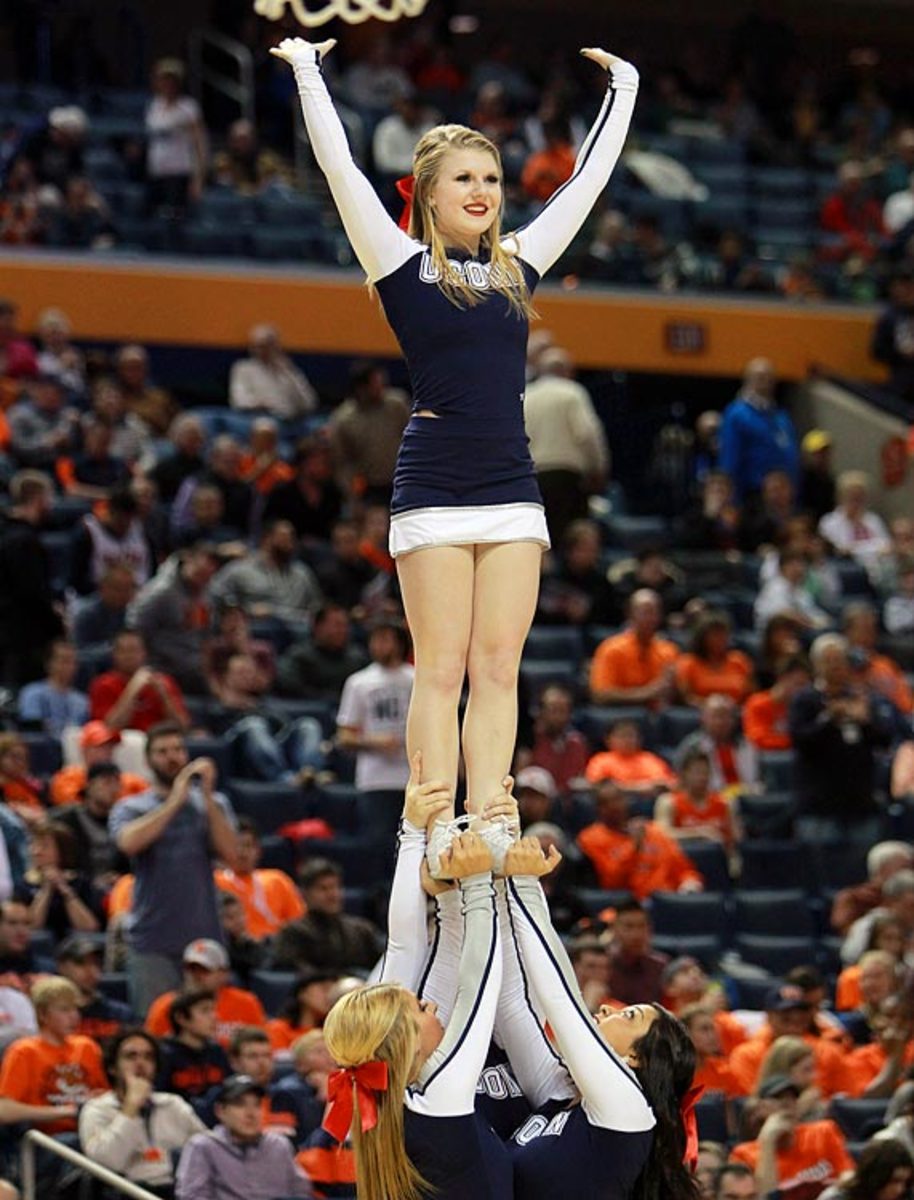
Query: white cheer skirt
467, 526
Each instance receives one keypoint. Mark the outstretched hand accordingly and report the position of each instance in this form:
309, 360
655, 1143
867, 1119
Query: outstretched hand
503, 805
467, 855
425, 802
526, 857
603, 58
292, 50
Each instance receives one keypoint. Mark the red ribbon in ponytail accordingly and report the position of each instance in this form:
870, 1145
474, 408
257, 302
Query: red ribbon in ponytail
689, 1120
368, 1079
405, 188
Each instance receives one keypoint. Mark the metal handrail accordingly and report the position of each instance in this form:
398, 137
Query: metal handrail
239, 88
34, 1137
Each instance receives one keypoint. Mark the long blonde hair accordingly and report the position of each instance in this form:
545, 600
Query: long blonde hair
506, 275
781, 1059
371, 1023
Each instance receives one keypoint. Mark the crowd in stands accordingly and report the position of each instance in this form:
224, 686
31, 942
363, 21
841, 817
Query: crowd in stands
207, 676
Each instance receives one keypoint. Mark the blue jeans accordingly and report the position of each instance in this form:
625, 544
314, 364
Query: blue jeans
260, 754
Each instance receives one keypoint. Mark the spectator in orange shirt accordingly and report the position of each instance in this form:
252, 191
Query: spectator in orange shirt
312, 998
632, 853
887, 940
685, 985
765, 713
712, 1071
695, 811
206, 967
884, 675
132, 695
261, 465
627, 764
18, 787
45, 1078
713, 666
874, 1071
636, 666
878, 977
787, 1154
269, 896
546, 170
97, 742
788, 1014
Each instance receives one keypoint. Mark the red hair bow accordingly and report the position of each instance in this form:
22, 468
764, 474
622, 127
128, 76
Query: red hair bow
689, 1120
405, 188
364, 1082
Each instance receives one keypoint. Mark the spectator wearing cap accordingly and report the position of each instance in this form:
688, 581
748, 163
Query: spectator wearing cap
836, 726
633, 853
686, 983
635, 967
557, 747
268, 381
192, 1062
239, 1160
44, 1079
787, 1014
817, 483
636, 666
97, 744
310, 999
535, 791
18, 359
134, 1129
112, 536
99, 618
326, 937
57, 150
628, 764
788, 1154
172, 612
270, 898
42, 426
171, 833
79, 959
712, 1071
52, 704
303, 1092
132, 695
756, 436
883, 861
206, 965
371, 723
365, 433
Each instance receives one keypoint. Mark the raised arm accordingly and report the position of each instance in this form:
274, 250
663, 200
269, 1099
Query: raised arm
611, 1094
544, 239
380, 245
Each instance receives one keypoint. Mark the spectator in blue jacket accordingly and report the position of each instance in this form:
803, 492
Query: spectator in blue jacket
756, 435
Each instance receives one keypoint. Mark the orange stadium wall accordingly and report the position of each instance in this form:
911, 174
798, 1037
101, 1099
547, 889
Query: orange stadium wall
332, 313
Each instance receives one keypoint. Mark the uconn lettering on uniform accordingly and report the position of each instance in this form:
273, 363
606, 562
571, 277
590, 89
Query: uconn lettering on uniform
542, 1126
498, 1083
476, 274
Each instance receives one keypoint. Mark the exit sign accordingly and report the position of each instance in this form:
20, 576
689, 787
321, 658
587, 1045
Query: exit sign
685, 337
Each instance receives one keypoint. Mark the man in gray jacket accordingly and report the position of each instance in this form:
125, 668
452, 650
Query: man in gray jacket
238, 1161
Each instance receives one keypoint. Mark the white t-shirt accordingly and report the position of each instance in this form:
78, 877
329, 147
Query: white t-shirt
376, 700
170, 130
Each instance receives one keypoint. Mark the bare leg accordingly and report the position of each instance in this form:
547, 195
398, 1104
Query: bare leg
437, 587
504, 601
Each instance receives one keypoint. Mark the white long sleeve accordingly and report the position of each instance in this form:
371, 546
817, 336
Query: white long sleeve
519, 1029
611, 1095
407, 939
543, 241
380, 245
447, 1081
441, 977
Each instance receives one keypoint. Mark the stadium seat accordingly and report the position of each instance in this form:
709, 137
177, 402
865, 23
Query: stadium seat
751, 990
776, 954
361, 863
44, 753
595, 721
784, 214
637, 533
716, 150
676, 723
711, 1116
705, 948
722, 212
769, 815
288, 211
277, 245
776, 769
858, 1119
270, 805
538, 673
545, 642
775, 863
782, 183
722, 179
220, 206
673, 914
840, 864
218, 241
272, 988
594, 900
214, 748
277, 853
338, 805
709, 858
773, 912
114, 986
